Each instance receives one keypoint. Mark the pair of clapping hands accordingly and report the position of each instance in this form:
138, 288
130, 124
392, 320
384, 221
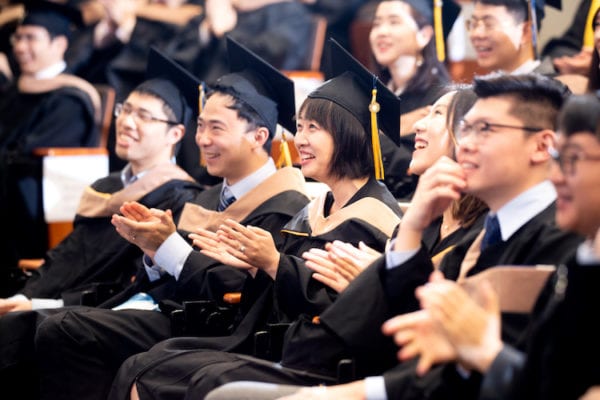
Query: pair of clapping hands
246, 247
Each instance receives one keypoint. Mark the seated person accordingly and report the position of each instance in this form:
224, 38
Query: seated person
336, 149
495, 126
563, 333
235, 128
43, 107
150, 126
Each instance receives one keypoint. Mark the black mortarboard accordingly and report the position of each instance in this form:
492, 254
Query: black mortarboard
350, 86
258, 84
58, 19
360, 92
172, 83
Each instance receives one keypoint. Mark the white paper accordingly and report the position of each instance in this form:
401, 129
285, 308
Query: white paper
64, 179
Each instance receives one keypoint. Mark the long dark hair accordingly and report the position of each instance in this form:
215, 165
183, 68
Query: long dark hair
594, 73
429, 71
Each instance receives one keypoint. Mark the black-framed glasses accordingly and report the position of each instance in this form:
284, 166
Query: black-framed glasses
569, 156
144, 116
481, 130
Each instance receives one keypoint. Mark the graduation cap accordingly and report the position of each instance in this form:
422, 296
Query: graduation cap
354, 88
57, 18
261, 86
441, 14
169, 81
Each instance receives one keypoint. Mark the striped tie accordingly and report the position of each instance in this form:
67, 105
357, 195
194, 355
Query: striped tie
226, 199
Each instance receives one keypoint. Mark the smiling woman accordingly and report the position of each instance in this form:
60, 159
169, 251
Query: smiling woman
334, 142
403, 46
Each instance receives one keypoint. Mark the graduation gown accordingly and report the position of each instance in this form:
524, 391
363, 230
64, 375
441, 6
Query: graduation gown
539, 241
561, 356
351, 327
277, 32
369, 216
83, 367
93, 253
37, 113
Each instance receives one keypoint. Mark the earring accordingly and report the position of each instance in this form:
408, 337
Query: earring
419, 61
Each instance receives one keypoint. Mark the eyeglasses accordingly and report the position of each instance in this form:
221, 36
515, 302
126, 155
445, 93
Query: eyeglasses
568, 158
26, 37
481, 130
143, 116
488, 23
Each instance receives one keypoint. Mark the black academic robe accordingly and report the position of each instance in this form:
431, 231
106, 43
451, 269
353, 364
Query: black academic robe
63, 117
561, 356
292, 292
539, 241
121, 65
72, 374
92, 254
351, 327
277, 32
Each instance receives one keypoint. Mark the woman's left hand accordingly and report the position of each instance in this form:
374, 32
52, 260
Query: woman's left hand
253, 245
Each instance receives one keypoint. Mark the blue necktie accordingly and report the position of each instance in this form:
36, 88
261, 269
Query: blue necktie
225, 199
492, 233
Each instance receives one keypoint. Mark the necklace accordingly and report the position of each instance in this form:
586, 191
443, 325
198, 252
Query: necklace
452, 226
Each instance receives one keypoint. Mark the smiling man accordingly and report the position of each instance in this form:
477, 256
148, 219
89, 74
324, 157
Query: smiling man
501, 34
44, 107
503, 157
235, 129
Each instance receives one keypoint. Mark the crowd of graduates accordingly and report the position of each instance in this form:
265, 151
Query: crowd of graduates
368, 289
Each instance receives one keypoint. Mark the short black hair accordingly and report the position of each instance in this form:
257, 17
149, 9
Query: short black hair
580, 113
166, 109
244, 112
519, 9
543, 95
353, 152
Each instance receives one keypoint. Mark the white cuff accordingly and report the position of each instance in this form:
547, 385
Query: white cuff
172, 253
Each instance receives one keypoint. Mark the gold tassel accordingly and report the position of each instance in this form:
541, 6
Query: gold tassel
285, 157
588, 33
201, 100
377, 159
438, 28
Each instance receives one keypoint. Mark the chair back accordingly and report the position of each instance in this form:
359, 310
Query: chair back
317, 42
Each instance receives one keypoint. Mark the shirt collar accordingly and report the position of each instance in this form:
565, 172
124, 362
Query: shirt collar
526, 67
517, 212
127, 176
52, 71
239, 189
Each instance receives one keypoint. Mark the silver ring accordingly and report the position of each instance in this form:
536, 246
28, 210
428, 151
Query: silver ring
242, 248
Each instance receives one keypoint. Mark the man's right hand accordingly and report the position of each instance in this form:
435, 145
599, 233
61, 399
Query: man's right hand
144, 227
